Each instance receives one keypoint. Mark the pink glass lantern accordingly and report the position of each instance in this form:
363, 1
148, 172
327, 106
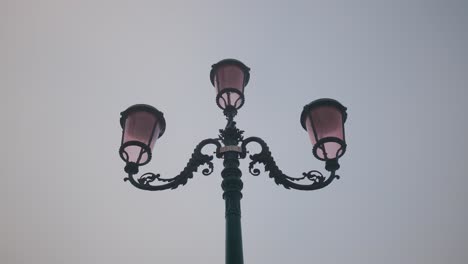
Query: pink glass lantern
229, 77
142, 125
324, 121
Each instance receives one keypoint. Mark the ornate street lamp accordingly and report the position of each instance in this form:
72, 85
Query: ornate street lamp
142, 125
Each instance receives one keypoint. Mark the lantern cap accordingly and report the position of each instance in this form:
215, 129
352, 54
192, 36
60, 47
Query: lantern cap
235, 62
144, 108
322, 102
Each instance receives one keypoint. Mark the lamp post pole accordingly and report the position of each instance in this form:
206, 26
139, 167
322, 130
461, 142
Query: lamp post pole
142, 125
232, 187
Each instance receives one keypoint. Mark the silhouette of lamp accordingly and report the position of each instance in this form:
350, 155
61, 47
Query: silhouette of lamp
142, 125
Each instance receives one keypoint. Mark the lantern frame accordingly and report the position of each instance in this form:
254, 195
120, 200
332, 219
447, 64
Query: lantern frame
145, 148
220, 92
320, 143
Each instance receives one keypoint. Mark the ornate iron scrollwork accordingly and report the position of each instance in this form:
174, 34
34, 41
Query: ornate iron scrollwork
231, 133
198, 159
264, 156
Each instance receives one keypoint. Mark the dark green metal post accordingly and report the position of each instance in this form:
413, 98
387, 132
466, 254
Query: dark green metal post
232, 186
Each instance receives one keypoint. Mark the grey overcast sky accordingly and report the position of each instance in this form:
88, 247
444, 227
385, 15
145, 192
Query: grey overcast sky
67, 69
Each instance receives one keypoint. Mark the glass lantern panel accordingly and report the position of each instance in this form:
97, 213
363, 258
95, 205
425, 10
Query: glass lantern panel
328, 122
230, 98
134, 153
229, 76
143, 127
332, 149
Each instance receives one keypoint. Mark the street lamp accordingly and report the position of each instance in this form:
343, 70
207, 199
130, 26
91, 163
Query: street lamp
142, 125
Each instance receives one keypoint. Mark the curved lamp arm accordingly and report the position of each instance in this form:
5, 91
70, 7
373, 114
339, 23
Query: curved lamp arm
197, 159
264, 156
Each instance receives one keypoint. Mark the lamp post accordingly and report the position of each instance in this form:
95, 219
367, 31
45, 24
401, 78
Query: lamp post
142, 125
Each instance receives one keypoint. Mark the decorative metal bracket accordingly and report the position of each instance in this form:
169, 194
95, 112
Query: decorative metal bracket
198, 159
264, 156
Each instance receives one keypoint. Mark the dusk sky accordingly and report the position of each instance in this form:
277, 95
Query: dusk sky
68, 68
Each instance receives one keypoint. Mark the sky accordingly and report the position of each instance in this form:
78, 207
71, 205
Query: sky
68, 68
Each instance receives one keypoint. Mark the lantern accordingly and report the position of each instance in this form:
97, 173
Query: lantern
324, 121
229, 77
142, 125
